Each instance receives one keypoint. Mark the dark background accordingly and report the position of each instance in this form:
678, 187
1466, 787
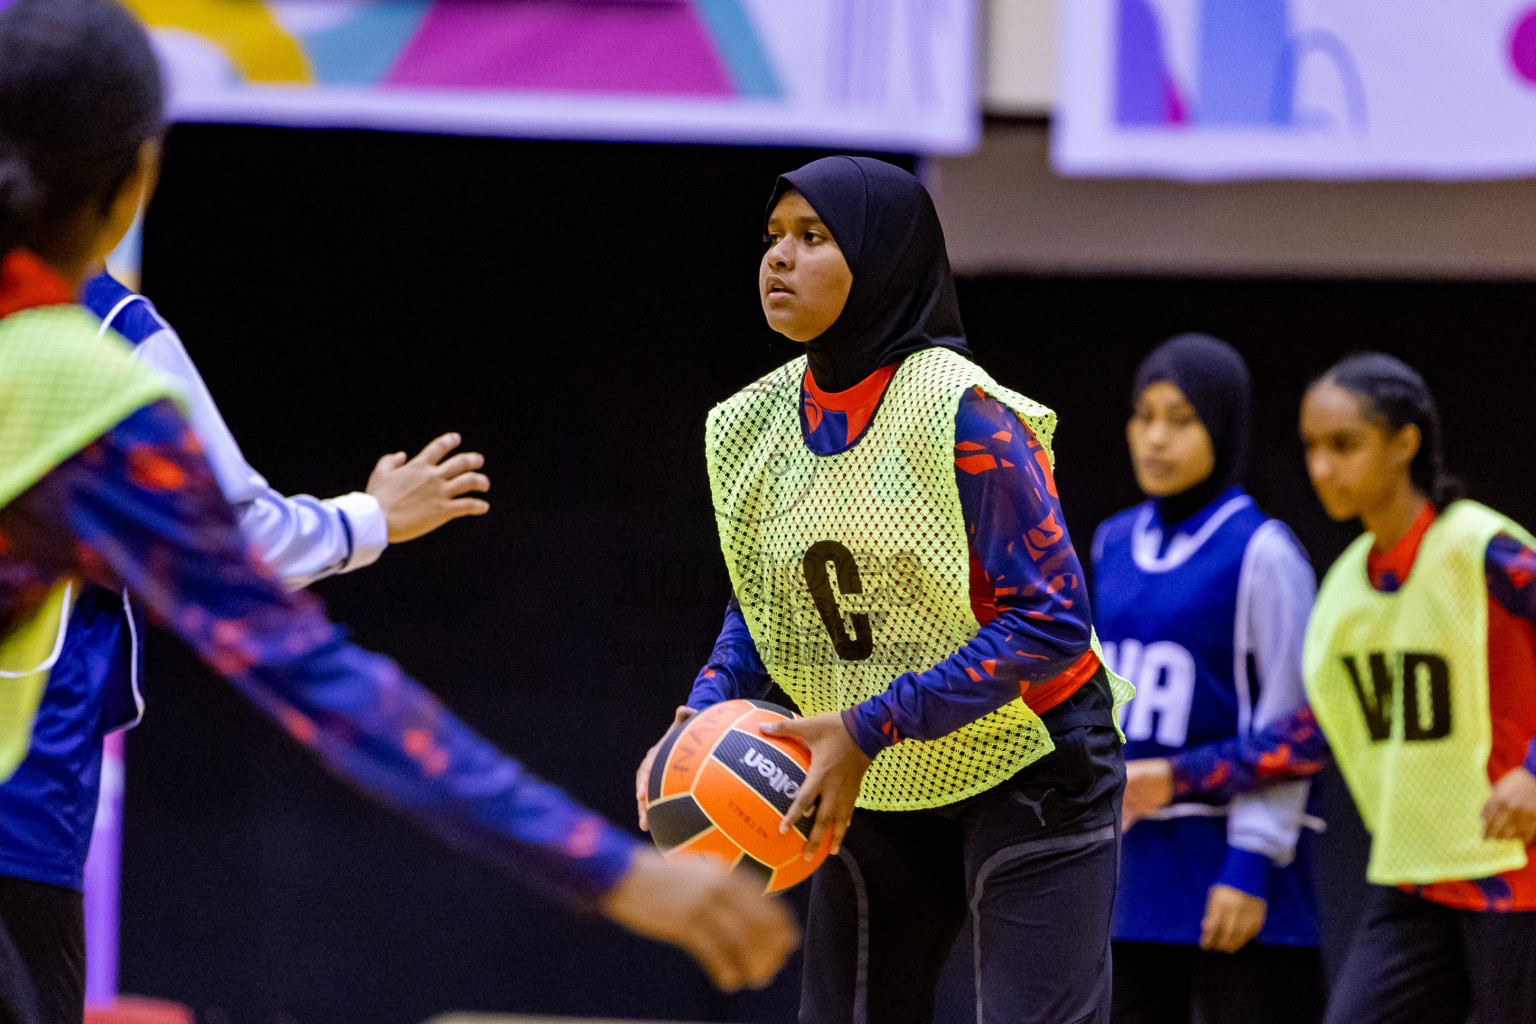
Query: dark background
574, 310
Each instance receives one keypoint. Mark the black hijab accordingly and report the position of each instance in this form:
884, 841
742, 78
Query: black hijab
1214, 378
903, 296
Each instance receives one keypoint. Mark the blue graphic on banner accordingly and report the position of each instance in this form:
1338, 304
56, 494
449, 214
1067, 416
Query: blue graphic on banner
1249, 63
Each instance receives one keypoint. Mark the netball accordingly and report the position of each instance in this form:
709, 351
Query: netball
718, 788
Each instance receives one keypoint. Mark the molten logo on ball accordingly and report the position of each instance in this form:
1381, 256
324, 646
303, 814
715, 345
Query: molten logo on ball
776, 776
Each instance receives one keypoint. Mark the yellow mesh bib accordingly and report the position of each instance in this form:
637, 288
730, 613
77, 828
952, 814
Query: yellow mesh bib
27, 656
852, 569
1399, 682
62, 386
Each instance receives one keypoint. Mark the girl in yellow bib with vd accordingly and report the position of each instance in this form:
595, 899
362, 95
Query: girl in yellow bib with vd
1420, 666
901, 568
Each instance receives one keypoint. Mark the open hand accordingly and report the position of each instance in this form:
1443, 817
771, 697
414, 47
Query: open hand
738, 935
832, 782
643, 773
1510, 812
421, 494
1232, 918
1148, 787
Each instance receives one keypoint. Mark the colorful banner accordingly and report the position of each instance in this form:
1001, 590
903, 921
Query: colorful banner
1213, 89
893, 74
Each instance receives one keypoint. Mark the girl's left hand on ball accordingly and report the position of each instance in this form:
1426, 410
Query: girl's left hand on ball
1510, 812
832, 782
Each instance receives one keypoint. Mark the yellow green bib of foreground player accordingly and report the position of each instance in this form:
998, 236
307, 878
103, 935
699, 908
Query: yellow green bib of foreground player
62, 385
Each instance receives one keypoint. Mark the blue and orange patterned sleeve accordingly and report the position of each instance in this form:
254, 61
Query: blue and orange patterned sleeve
734, 668
140, 508
1511, 570
1292, 747
1027, 589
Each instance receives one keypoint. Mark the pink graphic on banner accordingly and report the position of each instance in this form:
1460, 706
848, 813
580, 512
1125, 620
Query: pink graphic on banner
653, 48
1522, 46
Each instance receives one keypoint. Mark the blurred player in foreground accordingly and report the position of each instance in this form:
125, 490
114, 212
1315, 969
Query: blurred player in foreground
1420, 667
902, 569
1202, 602
103, 482
48, 807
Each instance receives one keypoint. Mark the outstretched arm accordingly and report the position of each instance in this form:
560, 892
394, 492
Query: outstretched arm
139, 508
1294, 746
305, 539
1289, 748
302, 538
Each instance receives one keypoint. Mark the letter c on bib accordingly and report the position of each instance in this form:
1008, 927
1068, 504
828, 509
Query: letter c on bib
859, 646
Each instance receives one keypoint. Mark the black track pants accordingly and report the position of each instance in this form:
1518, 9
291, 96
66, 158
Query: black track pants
42, 953
46, 925
1418, 962
1032, 862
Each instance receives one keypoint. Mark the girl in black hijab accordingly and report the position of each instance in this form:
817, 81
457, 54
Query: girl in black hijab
1203, 601
902, 569
1213, 380
903, 296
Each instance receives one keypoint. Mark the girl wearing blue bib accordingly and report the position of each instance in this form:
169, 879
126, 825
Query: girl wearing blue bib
1202, 602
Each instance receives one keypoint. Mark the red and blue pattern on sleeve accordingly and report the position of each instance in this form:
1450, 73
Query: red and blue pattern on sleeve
140, 508
1292, 747
734, 668
1511, 572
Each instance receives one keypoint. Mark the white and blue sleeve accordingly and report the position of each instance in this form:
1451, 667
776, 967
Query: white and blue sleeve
1275, 595
303, 539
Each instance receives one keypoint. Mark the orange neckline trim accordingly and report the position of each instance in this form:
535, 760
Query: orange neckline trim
863, 393
26, 282
1399, 561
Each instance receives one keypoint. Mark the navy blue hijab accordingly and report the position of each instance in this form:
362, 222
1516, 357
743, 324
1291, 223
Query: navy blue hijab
903, 295
1214, 377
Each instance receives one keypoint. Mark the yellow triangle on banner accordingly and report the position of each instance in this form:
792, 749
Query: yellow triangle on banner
246, 31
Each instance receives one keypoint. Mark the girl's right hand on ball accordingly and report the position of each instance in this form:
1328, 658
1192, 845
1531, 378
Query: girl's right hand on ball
643, 773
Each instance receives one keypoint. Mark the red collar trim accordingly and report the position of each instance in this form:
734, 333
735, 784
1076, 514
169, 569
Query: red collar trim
865, 392
26, 282
857, 404
1399, 561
